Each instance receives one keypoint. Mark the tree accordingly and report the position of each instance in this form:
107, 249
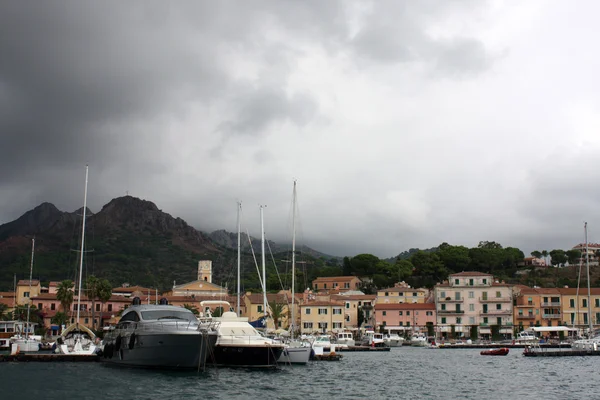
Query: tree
277, 313
64, 294
346, 267
573, 256
91, 289
3, 313
429, 270
558, 257
455, 258
405, 269
536, 254
489, 245
60, 318
192, 308
545, 255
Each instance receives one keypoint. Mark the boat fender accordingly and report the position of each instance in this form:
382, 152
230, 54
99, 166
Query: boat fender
131, 341
118, 342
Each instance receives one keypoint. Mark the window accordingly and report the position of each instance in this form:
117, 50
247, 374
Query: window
407, 313
457, 296
585, 318
597, 302
324, 286
458, 320
415, 294
472, 320
471, 307
401, 294
387, 294
97, 307
572, 303
485, 281
498, 294
471, 295
400, 313
520, 313
322, 325
384, 314
484, 296
584, 302
456, 281
259, 309
347, 285
337, 325
499, 321
429, 313
471, 282
529, 301
408, 324
53, 306
308, 325
442, 295
39, 306
307, 311
443, 307
485, 320
337, 311
443, 320
110, 307
347, 318
26, 294
401, 323
322, 311
347, 305
86, 320
498, 306
335, 284
530, 311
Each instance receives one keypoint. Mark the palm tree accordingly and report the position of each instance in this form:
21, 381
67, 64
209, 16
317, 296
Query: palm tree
3, 308
277, 312
104, 293
91, 289
64, 294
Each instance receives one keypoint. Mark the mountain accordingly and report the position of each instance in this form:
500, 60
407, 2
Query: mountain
128, 240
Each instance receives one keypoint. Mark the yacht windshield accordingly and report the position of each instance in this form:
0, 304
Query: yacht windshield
168, 314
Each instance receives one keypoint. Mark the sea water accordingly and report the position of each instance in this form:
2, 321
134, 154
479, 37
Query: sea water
402, 373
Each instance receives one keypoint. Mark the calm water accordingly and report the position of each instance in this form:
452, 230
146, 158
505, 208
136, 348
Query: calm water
401, 373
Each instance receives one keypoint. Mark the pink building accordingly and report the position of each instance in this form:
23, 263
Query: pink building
404, 316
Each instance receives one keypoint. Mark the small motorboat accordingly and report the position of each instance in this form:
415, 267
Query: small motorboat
495, 352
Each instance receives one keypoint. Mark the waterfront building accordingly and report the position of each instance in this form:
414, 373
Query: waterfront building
402, 293
575, 307
336, 283
401, 317
536, 307
25, 293
473, 301
253, 304
321, 316
353, 303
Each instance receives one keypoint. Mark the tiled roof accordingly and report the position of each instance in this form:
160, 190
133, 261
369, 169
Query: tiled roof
25, 282
470, 273
405, 306
354, 297
132, 289
402, 289
582, 291
335, 279
321, 303
257, 298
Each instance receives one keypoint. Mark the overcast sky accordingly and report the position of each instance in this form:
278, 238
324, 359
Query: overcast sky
406, 123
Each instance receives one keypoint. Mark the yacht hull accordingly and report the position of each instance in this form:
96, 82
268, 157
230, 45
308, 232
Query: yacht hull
295, 355
159, 350
249, 356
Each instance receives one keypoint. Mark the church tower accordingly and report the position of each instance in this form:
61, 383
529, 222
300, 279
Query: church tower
205, 271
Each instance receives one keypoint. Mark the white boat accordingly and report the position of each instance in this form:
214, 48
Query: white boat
373, 339
239, 344
78, 339
393, 340
159, 336
323, 341
525, 337
295, 352
24, 340
418, 340
344, 339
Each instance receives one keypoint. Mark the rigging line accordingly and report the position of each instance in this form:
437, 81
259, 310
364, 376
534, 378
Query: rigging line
254, 257
277, 271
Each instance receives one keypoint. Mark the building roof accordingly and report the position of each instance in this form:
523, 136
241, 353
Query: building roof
470, 273
25, 282
322, 303
335, 279
359, 297
403, 289
257, 298
405, 306
131, 289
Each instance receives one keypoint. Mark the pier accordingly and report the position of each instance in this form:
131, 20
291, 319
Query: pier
362, 348
48, 357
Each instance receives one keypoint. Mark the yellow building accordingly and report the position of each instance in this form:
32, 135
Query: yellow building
253, 303
322, 317
575, 307
336, 283
25, 293
402, 293
203, 286
353, 303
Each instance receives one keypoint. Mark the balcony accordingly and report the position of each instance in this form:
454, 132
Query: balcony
525, 316
551, 316
450, 300
551, 304
451, 311
495, 299
496, 312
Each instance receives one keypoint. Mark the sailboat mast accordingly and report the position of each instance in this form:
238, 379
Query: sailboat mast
82, 244
292, 325
239, 254
587, 264
30, 276
262, 247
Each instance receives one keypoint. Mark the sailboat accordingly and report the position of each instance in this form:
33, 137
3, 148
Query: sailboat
295, 352
27, 342
78, 339
239, 344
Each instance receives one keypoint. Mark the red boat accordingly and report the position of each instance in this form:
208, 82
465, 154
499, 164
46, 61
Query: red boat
495, 352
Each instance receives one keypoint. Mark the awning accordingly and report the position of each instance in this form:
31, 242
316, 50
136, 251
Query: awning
485, 330
506, 330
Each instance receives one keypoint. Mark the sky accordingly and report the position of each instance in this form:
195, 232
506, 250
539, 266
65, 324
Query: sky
405, 124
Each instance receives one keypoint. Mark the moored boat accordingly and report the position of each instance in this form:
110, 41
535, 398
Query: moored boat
159, 336
495, 352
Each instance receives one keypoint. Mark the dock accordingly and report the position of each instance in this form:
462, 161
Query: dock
503, 345
48, 357
362, 348
565, 353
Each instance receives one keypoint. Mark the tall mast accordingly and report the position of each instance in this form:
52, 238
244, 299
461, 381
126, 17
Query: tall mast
293, 259
82, 244
587, 264
30, 276
262, 247
239, 254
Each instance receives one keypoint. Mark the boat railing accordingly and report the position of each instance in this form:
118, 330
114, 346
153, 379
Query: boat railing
169, 326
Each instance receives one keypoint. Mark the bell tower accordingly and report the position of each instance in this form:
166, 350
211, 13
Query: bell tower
205, 271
